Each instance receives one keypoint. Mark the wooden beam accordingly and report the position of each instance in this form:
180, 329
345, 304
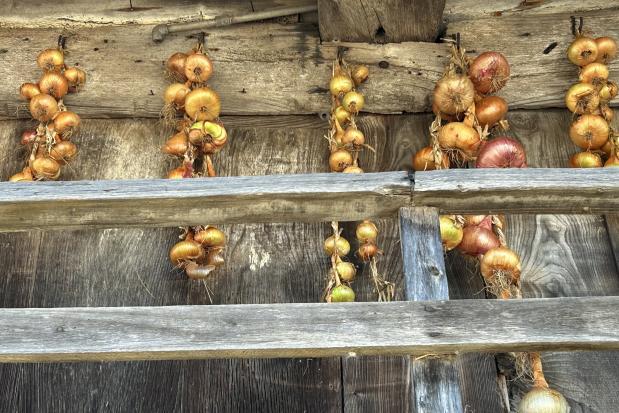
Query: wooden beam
379, 21
435, 380
306, 330
165, 202
530, 190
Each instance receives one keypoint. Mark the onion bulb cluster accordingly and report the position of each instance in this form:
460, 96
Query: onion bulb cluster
49, 145
466, 108
193, 108
589, 101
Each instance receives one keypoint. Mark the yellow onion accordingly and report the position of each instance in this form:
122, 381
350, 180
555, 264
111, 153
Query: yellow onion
607, 113
207, 131
340, 160
343, 247
29, 90
585, 160
582, 98
178, 173
353, 102
608, 92
211, 237
423, 160
198, 272
451, 232
582, 51
198, 67
24, 176
366, 231
186, 250
342, 294
177, 145
607, 49
501, 259
543, 400
340, 84
176, 65
43, 107
175, 94
50, 59
453, 94
353, 136
612, 162
215, 257
54, 84
346, 271
45, 168
360, 74
75, 76
352, 170
342, 115
593, 73
589, 131
490, 110
66, 123
458, 135
63, 152
202, 104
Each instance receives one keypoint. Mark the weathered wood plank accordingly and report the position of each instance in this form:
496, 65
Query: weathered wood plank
296, 63
306, 330
435, 380
529, 190
164, 202
377, 21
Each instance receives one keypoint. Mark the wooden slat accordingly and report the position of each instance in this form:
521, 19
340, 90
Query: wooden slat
163, 202
380, 21
529, 190
435, 380
306, 330
290, 76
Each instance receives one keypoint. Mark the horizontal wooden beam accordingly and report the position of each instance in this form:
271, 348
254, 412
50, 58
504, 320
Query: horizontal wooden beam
165, 202
530, 190
307, 330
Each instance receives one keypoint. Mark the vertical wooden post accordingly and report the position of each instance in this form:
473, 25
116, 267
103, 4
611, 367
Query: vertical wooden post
435, 380
380, 21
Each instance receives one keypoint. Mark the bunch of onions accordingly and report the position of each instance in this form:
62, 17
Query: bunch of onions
49, 144
199, 134
589, 101
342, 273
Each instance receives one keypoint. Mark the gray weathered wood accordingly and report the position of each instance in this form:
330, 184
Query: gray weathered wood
307, 330
164, 202
435, 380
380, 21
528, 190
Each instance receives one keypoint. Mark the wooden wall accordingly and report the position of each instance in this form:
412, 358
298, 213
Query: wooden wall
269, 74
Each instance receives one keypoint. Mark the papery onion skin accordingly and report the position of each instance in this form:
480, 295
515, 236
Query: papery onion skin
342, 294
608, 92
366, 231
202, 104
28, 137
352, 170
477, 240
593, 73
612, 162
490, 110
343, 246
582, 51
340, 84
501, 152
582, 98
75, 76
29, 90
211, 237
589, 131
360, 74
176, 65
543, 400
198, 272
63, 152
585, 160
423, 160
453, 94
185, 250
501, 259
340, 160
458, 135
50, 59
451, 232
367, 251
489, 72
45, 168
198, 67
176, 94
346, 270
353, 102
177, 145
353, 136
66, 123
54, 84
607, 49
43, 107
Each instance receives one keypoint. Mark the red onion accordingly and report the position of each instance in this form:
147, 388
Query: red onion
28, 136
502, 152
478, 239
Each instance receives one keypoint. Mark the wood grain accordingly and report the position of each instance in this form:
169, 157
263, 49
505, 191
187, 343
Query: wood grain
435, 379
376, 21
527, 190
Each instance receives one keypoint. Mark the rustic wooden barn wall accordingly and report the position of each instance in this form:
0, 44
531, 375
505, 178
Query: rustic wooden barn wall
279, 69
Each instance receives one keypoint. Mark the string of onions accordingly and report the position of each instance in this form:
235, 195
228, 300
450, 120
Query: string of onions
193, 109
346, 141
589, 100
49, 144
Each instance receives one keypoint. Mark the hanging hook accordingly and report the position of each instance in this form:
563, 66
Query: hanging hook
62, 40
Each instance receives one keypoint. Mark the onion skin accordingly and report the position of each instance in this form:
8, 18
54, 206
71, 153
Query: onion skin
607, 49
360, 74
342, 294
29, 90
423, 160
198, 272
543, 400
43, 107
353, 136
582, 51
45, 168
451, 232
50, 59
63, 152
589, 131
501, 152
477, 240
28, 137
198, 67
342, 115
367, 251
176, 65
608, 92
340, 84
489, 72
593, 73
490, 110
346, 271
76, 77
458, 135
211, 237
585, 160
453, 94
582, 98
353, 102
202, 104
176, 94
66, 123
501, 259
352, 170
184, 251
612, 162
54, 84
366, 231
340, 160
343, 246
177, 145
